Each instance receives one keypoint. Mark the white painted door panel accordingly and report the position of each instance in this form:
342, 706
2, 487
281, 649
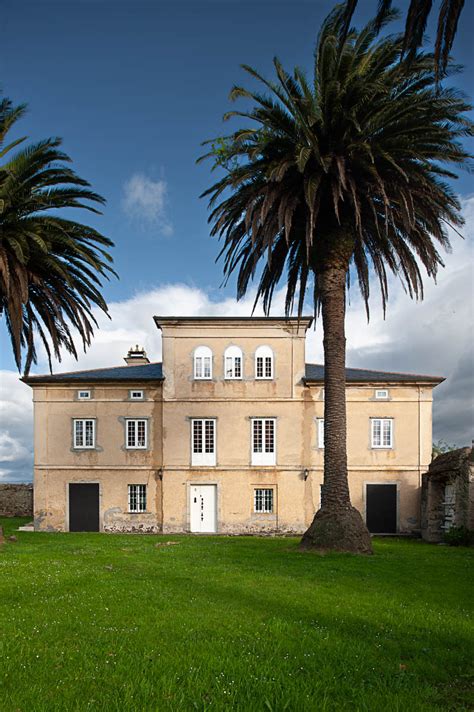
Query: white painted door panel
203, 508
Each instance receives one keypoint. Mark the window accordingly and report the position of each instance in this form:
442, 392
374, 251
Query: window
203, 363
233, 363
382, 432
137, 498
263, 441
263, 362
320, 424
83, 395
203, 441
136, 434
84, 433
381, 394
263, 501
136, 395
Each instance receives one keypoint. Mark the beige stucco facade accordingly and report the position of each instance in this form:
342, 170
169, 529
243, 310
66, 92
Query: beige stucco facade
293, 399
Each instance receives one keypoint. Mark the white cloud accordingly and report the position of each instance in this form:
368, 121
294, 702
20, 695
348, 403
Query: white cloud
434, 337
145, 201
16, 437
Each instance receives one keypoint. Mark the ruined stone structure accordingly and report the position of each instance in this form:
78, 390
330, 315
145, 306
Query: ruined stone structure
226, 435
16, 500
447, 498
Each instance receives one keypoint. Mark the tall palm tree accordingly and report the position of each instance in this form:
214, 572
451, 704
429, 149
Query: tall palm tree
415, 25
50, 267
339, 177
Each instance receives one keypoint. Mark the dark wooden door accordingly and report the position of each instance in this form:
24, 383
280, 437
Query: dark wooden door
381, 508
84, 507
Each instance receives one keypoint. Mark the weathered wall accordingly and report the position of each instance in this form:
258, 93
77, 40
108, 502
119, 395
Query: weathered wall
169, 409
52, 499
456, 469
16, 500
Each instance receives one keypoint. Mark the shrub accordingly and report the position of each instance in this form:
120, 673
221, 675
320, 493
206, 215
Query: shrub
459, 536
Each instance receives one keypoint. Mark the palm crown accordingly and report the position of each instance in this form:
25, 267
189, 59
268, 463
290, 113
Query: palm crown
50, 267
344, 169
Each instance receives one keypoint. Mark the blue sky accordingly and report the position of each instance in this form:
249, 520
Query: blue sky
134, 87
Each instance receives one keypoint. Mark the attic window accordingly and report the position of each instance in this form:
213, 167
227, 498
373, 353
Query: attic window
136, 395
381, 394
83, 395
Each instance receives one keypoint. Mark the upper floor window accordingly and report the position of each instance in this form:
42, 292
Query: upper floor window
136, 433
84, 395
137, 498
203, 363
233, 363
320, 424
84, 433
382, 432
381, 394
203, 441
263, 362
263, 441
136, 395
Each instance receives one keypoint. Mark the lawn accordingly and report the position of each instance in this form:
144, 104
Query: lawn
127, 622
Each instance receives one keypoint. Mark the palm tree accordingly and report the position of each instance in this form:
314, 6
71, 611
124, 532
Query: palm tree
50, 267
339, 177
417, 18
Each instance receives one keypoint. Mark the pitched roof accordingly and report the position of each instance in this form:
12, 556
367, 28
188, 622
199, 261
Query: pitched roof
154, 372
315, 372
144, 372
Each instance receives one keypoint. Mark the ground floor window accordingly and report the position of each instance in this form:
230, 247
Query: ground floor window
263, 501
137, 498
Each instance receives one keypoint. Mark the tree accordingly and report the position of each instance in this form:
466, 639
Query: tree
417, 18
337, 178
440, 447
50, 267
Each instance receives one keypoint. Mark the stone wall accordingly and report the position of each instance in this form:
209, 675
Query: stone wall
16, 500
454, 471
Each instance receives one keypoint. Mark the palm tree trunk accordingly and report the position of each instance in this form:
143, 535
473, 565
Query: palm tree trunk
337, 525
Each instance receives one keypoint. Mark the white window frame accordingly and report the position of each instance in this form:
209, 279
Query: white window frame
201, 457
138, 499
233, 364
376, 442
264, 358
381, 394
134, 444
136, 394
76, 444
202, 363
320, 428
84, 394
266, 500
263, 457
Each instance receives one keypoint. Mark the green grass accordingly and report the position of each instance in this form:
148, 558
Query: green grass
114, 622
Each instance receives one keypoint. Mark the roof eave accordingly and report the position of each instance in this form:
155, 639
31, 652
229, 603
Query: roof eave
39, 380
435, 381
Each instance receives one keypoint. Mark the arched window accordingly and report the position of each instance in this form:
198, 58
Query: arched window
203, 362
264, 362
233, 363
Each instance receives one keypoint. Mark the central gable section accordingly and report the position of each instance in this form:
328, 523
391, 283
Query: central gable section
232, 358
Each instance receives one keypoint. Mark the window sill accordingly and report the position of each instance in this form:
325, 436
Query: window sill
146, 512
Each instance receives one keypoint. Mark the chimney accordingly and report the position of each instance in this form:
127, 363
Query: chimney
136, 356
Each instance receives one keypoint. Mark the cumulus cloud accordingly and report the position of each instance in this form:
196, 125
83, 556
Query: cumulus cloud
145, 201
16, 436
433, 337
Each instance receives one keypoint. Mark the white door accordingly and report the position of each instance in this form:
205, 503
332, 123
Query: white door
203, 508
